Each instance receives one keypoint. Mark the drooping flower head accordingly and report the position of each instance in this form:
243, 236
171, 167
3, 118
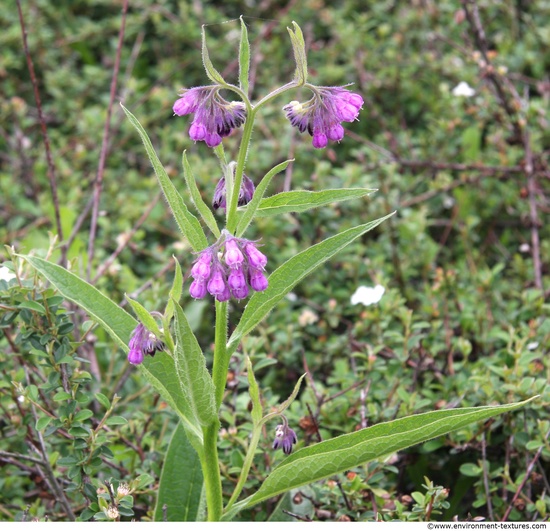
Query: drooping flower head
229, 268
143, 343
321, 115
285, 438
214, 118
245, 193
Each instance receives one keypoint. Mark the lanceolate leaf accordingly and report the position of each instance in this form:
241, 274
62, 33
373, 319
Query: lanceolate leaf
300, 57
187, 222
302, 200
248, 215
145, 317
159, 371
244, 58
283, 279
199, 203
211, 72
181, 481
347, 451
195, 380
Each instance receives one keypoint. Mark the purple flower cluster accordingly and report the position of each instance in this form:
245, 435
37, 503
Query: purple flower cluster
285, 438
228, 268
322, 114
214, 118
245, 193
143, 343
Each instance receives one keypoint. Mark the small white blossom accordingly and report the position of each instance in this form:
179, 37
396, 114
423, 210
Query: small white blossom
463, 89
6, 274
533, 345
367, 295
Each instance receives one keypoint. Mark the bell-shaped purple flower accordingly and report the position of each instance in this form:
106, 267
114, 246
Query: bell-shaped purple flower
197, 290
143, 343
245, 194
233, 255
216, 284
322, 114
285, 438
214, 116
256, 259
258, 282
230, 267
202, 268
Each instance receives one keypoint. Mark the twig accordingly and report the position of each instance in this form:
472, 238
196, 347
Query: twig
524, 480
49, 157
127, 237
486, 478
98, 185
297, 516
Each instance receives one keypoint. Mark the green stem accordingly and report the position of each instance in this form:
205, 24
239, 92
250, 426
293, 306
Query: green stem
246, 465
239, 171
221, 359
211, 473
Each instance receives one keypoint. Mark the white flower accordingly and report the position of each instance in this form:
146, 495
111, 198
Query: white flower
6, 274
367, 296
463, 89
533, 345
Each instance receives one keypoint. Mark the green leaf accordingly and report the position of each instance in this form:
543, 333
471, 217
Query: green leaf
196, 197
159, 371
195, 380
181, 481
302, 200
103, 400
244, 58
43, 422
187, 222
211, 72
248, 215
347, 451
254, 392
282, 407
32, 305
300, 57
145, 317
116, 421
284, 278
174, 295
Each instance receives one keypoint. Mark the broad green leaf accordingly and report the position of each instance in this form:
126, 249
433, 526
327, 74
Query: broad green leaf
300, 57
187, 222
195, 380
196, 197
248, 215
347, 451
211, 72
244, 58
302, 200
145, 317
159, 371
284, 278
181, 481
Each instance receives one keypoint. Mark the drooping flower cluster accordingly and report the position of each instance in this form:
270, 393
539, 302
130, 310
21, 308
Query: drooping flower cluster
285, 438
214, 118
143, 343
245, 193
228, 268
321, 115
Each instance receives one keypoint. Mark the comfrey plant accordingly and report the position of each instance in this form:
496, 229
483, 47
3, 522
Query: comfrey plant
228, 268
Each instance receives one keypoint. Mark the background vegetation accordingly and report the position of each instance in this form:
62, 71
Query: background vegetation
464, 318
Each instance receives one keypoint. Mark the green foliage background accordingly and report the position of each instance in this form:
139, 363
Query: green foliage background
462, 321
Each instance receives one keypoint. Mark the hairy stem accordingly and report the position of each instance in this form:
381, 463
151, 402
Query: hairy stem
211, 473
221, 359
